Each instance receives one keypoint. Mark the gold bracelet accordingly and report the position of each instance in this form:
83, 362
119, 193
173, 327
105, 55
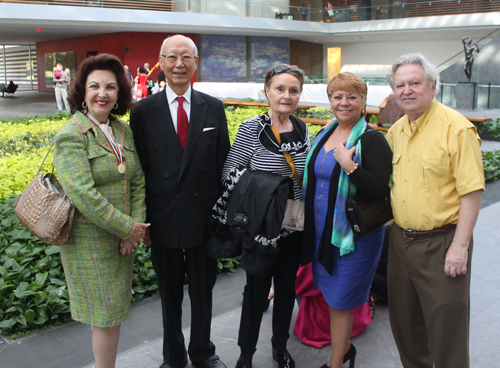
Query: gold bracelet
350, 172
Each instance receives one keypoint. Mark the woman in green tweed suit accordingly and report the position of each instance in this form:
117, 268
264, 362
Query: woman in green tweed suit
100, 172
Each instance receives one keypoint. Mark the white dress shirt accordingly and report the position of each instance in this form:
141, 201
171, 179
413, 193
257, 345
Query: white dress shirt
173, 103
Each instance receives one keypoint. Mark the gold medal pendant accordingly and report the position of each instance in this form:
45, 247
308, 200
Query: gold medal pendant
122, 168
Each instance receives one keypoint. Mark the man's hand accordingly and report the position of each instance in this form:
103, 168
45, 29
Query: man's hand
456, 260
455, 263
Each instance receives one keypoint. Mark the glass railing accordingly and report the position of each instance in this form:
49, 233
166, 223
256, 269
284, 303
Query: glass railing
376, 80
467, 96
336, 11
333, 11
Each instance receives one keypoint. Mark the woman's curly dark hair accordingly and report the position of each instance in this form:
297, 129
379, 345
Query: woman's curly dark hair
76, 94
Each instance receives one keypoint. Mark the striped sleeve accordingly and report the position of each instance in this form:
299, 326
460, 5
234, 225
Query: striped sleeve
242, 150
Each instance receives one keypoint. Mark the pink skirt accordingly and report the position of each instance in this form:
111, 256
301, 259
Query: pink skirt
312, 325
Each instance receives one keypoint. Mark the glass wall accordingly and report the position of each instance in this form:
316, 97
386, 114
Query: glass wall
66, 58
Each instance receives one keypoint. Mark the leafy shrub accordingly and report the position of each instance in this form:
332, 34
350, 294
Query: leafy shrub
33, 290
229, 264
60, 115
239, 115
373, 119
314, 113
490, 127
491, 164
21, 137
17, 170
144, 280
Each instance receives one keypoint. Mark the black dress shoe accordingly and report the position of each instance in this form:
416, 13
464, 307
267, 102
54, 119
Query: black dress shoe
182, 365
283, 357
244, 362
350, 357
212, 362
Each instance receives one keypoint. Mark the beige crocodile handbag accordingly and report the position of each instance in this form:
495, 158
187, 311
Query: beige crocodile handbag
45, 209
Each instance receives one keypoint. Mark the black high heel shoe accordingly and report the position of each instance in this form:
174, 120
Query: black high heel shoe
349, 357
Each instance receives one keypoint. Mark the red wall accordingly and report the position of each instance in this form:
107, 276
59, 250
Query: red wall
142, 48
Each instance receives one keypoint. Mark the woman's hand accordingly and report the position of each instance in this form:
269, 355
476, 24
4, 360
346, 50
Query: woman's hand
344, 157
126, 247
138, 233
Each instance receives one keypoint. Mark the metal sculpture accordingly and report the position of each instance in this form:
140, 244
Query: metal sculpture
469, 49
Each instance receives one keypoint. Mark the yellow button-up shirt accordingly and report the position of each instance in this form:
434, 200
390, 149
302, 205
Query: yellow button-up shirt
435, 163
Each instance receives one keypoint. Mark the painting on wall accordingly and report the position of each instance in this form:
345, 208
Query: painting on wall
266, 52
224, 59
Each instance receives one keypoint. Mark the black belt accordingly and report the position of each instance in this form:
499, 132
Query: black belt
443, 230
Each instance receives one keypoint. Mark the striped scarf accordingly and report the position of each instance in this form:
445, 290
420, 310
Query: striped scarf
342, 236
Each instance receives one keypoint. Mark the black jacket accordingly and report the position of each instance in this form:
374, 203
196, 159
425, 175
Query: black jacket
181, 185
254, 212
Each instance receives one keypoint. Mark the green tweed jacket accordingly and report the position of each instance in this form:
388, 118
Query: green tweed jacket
88, 171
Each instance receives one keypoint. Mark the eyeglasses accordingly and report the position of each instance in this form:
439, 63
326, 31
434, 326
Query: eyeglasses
173, 58
283, 68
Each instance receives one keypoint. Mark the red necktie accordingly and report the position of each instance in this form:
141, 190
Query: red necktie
182, 122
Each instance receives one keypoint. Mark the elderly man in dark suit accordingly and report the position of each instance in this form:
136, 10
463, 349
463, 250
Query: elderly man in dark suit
182, 140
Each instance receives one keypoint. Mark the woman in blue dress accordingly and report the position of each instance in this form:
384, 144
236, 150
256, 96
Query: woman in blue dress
343, 265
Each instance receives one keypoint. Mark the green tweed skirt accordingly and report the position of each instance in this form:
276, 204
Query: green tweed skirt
99, 278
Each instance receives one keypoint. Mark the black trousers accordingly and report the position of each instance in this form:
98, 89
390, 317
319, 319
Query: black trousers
170, 265
284, 271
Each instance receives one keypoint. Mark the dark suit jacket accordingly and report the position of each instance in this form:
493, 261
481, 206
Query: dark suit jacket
181, 186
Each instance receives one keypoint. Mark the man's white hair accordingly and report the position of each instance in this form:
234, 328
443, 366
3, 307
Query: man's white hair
431, 72
193, 45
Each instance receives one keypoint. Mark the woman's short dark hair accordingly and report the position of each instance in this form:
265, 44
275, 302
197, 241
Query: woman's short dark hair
76, 94
142, 70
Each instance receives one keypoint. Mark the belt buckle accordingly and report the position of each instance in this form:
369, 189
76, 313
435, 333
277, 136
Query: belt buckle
410, 232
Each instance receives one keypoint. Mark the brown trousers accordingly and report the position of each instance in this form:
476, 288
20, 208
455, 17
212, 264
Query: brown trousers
429, 311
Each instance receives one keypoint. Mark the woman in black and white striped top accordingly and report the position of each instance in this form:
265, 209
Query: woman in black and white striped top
257, 148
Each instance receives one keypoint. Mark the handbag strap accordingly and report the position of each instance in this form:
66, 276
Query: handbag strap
288, 158
46, 155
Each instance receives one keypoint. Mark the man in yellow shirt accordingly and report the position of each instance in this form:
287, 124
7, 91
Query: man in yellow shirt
438, 183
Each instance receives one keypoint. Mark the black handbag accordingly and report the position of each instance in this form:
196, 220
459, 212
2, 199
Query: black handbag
365, 213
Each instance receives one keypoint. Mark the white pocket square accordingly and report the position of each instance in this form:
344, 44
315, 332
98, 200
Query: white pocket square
208, 129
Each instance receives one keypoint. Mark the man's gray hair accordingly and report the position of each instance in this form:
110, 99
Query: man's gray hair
431, 72
187, 38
